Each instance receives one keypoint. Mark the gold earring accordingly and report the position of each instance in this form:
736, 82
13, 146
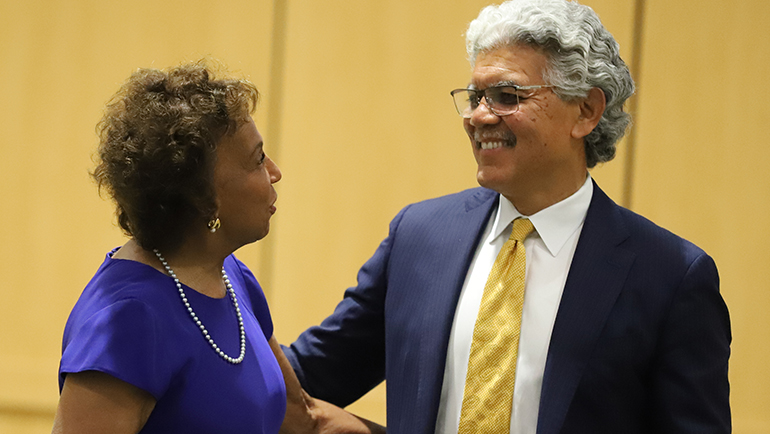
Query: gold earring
213, 225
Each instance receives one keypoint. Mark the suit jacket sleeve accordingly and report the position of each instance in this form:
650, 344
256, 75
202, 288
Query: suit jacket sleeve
689, 383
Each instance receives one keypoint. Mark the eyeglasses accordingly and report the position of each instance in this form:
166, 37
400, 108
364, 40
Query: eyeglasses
501, 100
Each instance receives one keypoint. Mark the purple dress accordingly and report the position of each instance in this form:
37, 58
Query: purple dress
131, 323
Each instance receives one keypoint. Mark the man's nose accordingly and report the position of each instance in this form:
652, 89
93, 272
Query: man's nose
483, 115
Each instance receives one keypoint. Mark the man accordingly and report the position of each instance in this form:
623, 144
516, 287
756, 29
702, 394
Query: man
621, 329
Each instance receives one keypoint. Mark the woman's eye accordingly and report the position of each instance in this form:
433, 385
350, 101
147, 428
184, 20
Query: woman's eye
258, 161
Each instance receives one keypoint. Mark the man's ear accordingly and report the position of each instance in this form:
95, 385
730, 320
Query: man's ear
591, 111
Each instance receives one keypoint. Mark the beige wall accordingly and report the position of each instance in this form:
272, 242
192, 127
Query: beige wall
357, 113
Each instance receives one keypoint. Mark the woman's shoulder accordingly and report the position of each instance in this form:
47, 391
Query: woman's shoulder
125, 277
122, 282
127, 317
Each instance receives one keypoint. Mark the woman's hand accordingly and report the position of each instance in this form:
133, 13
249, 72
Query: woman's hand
95, 402
307, 415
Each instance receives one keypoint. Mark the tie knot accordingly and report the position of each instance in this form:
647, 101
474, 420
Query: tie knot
521, 228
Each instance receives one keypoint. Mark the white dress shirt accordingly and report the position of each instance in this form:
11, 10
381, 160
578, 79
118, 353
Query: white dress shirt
549, 252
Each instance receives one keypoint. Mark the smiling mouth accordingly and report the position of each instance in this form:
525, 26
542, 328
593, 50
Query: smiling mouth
490, 145
493, 139
486, 143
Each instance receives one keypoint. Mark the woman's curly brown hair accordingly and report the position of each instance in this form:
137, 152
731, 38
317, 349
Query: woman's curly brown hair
158, 140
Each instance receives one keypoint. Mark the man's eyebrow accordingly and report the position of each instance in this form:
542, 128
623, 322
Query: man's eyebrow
506, 83
498, 84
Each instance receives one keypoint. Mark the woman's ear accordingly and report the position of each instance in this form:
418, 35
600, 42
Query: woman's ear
591, 111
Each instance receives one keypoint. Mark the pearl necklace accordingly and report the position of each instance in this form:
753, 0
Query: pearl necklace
198, 322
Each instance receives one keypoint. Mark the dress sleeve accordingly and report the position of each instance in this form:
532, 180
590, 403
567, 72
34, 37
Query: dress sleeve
258, 302
121, 340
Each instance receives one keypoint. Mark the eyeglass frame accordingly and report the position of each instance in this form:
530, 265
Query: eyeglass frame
490, 105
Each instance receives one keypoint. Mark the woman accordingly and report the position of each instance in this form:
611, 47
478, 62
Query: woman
173, 333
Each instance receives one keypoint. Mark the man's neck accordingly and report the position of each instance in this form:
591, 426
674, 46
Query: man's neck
529, 201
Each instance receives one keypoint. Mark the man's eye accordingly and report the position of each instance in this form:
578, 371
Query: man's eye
474, 98
506, 96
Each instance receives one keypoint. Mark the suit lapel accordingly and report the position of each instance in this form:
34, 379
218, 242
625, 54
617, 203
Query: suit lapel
461, 234
596, 276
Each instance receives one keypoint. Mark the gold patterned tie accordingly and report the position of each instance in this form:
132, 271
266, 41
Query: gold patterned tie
492, 363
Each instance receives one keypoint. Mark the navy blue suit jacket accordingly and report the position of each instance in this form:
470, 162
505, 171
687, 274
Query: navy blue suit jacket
640, 343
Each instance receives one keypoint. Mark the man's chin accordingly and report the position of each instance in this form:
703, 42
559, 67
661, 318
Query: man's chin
487, 181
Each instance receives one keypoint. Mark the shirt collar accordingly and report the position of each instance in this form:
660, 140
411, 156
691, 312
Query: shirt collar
554, 224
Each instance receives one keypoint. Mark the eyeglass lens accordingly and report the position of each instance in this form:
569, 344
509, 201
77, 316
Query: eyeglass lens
502, 100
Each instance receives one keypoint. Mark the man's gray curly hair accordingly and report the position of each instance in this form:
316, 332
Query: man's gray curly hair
581, 53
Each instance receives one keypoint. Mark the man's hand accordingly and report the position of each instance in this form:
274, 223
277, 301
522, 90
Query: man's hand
307, 415
334, 420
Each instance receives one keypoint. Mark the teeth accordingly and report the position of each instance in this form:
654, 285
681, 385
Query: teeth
491, 145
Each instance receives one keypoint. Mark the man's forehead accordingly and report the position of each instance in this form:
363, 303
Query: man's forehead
509, 65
